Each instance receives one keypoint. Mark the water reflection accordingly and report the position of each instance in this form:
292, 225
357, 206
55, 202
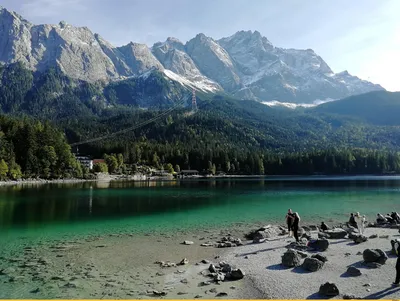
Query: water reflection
31, 205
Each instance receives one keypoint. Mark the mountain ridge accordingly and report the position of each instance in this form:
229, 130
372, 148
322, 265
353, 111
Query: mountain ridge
245, 65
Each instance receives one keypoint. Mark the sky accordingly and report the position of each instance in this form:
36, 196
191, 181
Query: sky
360, 36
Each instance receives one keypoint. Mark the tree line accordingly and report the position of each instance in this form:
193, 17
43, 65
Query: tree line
32, 149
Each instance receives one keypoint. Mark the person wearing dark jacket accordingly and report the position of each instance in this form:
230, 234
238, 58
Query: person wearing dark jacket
324, 227
295, 226
289, 221
352, 221
396, 248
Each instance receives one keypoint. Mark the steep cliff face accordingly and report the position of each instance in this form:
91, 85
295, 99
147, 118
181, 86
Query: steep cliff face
75, 50
245, 64
273, 73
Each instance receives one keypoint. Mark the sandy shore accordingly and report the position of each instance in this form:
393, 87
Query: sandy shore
123, 266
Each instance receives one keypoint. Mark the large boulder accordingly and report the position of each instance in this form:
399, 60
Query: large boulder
302, 246
319, 244
320, 257
323, 235
375, 255
328, 289
360, 238
312, 264
291, 258
337, 233
302, 254
353, 271
236, 274
263, 233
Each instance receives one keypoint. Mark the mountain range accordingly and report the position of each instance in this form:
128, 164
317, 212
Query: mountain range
245, 65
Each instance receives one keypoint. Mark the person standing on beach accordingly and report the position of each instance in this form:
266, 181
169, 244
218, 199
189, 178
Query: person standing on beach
352, 221
295, 228
289, 221
360, 224
396, 247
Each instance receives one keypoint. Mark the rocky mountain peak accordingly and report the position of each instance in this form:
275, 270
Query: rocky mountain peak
245, 64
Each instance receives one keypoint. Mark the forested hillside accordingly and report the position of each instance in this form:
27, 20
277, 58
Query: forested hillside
225, 134
33, 149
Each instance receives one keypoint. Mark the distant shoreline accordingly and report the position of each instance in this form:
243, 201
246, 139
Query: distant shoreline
145, 178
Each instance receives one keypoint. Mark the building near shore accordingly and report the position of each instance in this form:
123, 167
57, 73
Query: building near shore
95, 161
188, 172
85, 161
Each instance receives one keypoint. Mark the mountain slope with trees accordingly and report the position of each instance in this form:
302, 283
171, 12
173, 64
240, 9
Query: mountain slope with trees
225, 134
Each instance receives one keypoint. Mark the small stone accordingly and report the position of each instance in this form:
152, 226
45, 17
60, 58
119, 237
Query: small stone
188, 242
35, 291
7, 271
359, 239
368, 290
198, 296
183, 261
349, 297
328, 289
184, 281
373, 236
101, 246
367, 284
71, 285
236, 274
213, 290
205, 283
157, 293
353, 271
205, 261
212, 268
222, 294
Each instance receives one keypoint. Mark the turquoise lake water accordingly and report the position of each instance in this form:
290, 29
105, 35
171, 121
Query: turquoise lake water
52, 211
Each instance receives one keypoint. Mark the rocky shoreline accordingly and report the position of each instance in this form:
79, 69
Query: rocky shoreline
228, 264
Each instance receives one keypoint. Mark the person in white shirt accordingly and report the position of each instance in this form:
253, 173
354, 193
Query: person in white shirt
360, 222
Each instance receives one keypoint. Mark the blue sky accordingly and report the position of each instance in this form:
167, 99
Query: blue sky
361, 36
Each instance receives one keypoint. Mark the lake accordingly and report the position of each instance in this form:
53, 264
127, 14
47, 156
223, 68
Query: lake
51, 211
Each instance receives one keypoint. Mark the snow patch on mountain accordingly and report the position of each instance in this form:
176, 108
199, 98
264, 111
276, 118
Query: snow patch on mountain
204, 84
291, 105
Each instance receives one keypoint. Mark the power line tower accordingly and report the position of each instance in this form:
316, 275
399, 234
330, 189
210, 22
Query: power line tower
194, 103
